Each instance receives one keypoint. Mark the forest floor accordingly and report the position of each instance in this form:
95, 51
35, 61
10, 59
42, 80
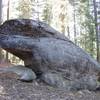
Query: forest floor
13, 89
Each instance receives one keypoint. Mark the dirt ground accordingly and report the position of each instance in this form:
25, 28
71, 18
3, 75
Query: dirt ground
13, 89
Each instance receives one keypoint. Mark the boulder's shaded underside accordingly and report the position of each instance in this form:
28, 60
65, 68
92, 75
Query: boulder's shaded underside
52, 56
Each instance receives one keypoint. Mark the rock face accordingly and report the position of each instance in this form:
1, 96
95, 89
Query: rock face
54, 58
23, 72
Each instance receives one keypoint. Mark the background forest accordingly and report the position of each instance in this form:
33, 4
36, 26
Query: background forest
79, 20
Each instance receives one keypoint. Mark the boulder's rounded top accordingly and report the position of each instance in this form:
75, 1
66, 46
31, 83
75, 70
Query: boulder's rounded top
29, 27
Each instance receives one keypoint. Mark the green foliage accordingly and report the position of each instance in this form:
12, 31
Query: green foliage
47, 13
83, 1
25, 8
88, 37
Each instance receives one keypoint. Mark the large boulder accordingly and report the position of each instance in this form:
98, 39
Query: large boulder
28, 28
54, 58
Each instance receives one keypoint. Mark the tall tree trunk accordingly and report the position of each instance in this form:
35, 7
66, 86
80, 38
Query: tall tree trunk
0, 11
0, 23
8, 9
7, 54
96, 29
68, 32
74, 17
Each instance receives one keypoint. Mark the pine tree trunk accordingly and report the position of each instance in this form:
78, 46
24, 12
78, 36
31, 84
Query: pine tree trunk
0, 11
96, 29
0, 23
74, 17
7, 54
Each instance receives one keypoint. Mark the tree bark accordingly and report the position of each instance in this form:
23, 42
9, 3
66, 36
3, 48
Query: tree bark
96, 29
74, 19
8, 6
0, 23
0, 11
